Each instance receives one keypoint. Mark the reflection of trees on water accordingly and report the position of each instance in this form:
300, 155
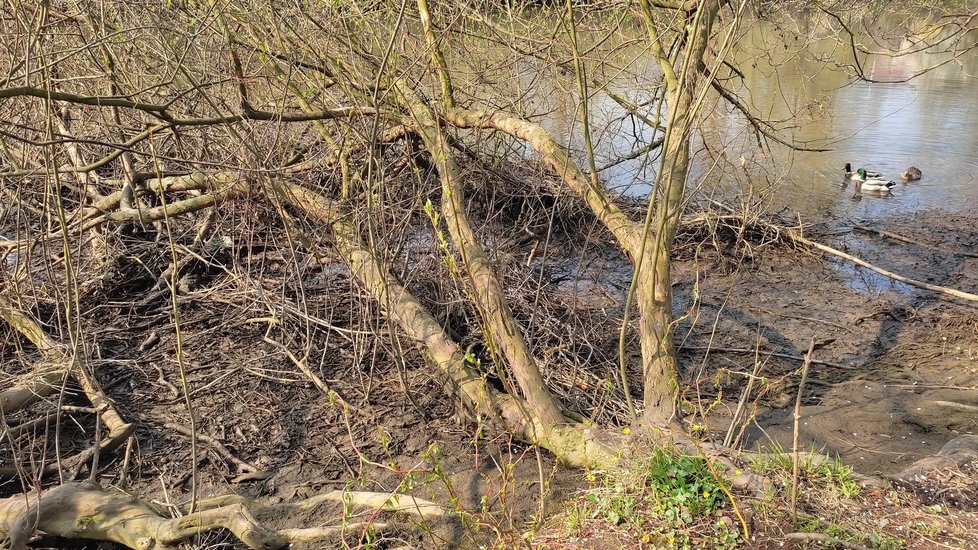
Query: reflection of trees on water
808, 91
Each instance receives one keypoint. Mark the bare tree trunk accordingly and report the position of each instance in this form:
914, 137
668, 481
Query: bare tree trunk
654, 287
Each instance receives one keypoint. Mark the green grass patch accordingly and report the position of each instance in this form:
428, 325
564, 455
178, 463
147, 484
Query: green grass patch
668, 498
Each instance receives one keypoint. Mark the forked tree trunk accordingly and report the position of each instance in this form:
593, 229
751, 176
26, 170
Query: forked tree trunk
654, 288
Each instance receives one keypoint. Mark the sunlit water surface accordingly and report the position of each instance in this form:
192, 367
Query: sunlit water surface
930, 122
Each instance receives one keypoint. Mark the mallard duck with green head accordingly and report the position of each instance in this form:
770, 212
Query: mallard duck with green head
864, 182
869, 173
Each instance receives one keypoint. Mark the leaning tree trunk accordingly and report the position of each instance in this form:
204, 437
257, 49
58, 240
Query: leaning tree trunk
502, 333
502, 330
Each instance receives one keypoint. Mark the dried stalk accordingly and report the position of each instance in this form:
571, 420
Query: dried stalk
794, 443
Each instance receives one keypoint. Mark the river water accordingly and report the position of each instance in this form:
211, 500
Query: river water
930, 121
875, 408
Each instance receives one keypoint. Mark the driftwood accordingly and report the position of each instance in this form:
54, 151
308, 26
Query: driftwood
86, 510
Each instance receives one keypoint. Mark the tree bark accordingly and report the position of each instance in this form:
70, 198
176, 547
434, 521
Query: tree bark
490, 300
654, 288
574, 444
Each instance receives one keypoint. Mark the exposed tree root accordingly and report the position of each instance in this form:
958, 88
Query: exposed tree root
65, 364
954, 453
86, 510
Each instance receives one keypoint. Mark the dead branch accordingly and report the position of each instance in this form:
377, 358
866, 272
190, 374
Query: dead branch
41, 381
225, 186
798, 238
163, 111
902, 238
66, 364
244, 470
889, 274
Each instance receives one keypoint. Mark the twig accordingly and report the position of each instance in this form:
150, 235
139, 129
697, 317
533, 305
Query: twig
18, 430
812, 319
727, 440
124, 469
794, 444
241, 466
321, 385
934, 386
